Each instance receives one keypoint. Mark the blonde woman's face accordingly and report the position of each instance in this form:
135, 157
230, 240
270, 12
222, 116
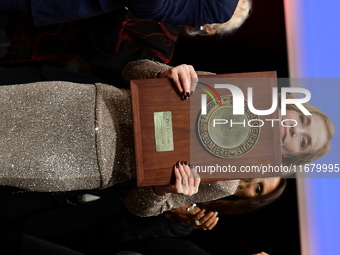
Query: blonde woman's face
309, 135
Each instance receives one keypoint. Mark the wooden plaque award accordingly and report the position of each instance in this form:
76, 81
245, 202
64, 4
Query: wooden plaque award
220, 145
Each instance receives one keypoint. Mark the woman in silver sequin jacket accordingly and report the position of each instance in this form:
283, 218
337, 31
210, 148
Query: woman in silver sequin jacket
61, 136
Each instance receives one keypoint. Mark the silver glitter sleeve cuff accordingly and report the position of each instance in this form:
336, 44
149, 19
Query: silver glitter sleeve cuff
143, 69
144, 202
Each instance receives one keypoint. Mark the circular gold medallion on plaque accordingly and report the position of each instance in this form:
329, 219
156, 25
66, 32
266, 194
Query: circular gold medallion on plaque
226, 135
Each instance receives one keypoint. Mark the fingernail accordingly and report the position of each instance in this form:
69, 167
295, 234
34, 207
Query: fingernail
185, 163
191, 93
191, 166
184, 97
181, 163
187, 94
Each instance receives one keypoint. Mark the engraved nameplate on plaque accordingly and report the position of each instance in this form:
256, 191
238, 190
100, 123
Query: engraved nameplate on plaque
163, 131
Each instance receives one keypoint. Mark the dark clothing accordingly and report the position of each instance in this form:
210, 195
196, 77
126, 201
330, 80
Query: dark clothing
177, 12
185, 12
48, 12
91, 228
107, 43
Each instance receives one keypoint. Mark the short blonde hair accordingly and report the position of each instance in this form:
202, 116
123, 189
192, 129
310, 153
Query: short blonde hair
314, 155
240, 15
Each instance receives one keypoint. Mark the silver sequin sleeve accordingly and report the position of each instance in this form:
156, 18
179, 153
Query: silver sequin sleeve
144, 69
144, 202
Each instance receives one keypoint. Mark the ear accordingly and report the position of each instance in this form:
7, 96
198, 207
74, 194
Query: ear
209, 30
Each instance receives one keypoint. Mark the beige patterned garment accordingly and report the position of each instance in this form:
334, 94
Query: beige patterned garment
61, 136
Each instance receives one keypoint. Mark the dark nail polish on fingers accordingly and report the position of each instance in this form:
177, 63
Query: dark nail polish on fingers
191, 166
191, 93
185, 163
187, 94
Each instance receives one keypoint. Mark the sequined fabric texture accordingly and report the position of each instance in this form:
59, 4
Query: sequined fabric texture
61, 136
115, 144
145, 69
53, 140
47, 136
144, 202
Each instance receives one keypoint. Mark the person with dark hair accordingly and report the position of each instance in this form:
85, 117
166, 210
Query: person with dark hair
116, 228
246, 199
